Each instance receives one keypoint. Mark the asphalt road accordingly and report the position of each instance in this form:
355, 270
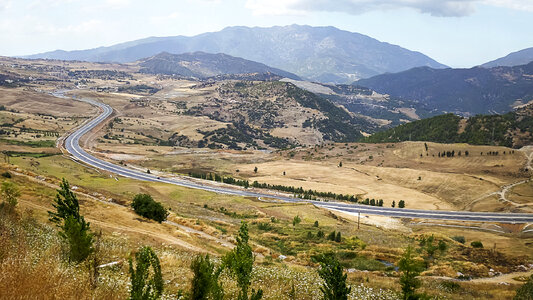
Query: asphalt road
73, 147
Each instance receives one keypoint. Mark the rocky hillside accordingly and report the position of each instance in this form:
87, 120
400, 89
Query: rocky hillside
324, 54
274, 114
202, 65
462, 91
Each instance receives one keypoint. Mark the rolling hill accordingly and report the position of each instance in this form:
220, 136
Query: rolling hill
324, 54
461, 91
513, 129
517, 58
201, 65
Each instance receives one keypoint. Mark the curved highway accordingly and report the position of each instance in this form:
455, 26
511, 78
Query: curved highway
72, 145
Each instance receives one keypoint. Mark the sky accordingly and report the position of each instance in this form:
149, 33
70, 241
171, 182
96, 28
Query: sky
458, 33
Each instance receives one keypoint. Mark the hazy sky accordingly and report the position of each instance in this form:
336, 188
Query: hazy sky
459, 33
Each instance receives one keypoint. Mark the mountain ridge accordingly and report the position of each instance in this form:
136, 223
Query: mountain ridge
202, 65
520, 57
325, 54
462, 91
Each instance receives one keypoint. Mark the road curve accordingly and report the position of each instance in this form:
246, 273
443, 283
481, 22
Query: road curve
72, 145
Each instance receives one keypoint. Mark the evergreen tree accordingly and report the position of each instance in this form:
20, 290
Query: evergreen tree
338, 237
144, 286
240, 263
393, 203
74, 230
296, 220
205, 283
401, 204
331, 271
410, 269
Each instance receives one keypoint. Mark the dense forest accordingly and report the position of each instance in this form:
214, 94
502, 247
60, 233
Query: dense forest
511, 129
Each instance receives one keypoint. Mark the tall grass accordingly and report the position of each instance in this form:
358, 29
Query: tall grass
33, 264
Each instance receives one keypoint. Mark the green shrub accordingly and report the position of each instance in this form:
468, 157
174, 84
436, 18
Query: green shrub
476, 244
264, 226
459, 238
144, 205
525, 292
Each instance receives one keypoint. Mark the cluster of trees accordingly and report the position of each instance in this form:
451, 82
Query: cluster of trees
372, 202
479, 130
452, 153
144, 205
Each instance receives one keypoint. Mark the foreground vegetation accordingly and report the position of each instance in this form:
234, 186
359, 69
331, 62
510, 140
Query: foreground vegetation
75, 260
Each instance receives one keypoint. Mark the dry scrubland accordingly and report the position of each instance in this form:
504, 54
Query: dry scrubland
32, 255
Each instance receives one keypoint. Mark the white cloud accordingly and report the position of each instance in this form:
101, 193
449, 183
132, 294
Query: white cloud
526, 5
439, 8
4, 4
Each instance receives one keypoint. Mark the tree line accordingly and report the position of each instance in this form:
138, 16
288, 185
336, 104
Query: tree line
299, 192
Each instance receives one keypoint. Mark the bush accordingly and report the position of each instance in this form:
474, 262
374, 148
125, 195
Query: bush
144, 205
6, 174
9, 193
264, 226
461, 239
525, 292
296, 220
476, 244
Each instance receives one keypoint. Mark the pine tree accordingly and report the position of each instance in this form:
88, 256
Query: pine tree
240, 263
74, 230
144, 287
205, 283
410, 269
331, 271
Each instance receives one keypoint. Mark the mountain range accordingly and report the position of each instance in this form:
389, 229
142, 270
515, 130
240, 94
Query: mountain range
324, 54
517, 58
202, 65
463, 91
